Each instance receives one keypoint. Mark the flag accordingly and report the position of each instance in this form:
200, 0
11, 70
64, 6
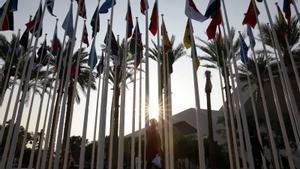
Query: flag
106, 5
93, 56
192, 12
166, 41
250, 17
243, 49
114, 46
95, 20
56, 46
50, 5
287, 9
13, 6
24, 39
100, 65
187, 41
68, 22
144, 6
129, 21
73, 70
34, 26
8, 22
250, 35
154, 20
82, 8
136, 43
42, 54
212, 27
212, 8
197, 61
85, 36
281, 20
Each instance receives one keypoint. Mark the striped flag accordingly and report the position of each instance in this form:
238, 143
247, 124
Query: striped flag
68, 22
154, 20
144, 6
212, 27
192, 12
243, 49
50, 5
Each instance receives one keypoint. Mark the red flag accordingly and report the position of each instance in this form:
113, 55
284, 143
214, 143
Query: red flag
85, 36
73, 70
212, 27
154, 20
144, 6
250, 17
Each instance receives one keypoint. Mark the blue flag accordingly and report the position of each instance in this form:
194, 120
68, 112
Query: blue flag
68, 23
243, 50
93, 56
13, 6
50, 4
106, 5
251, 37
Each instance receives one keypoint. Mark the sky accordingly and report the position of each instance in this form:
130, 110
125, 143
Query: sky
175, 20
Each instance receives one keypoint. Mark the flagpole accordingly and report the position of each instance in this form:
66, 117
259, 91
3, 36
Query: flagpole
140, 120
102, 124
123, 99
132, 164
3, 92
22, 103
30, 107
286, 96
197, 102
6, 81
165, 99
4, 12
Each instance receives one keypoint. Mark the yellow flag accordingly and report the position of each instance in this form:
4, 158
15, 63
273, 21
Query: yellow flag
166, 41
187, 35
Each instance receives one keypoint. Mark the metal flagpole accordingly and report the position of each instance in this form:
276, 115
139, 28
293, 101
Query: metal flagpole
165, 99
140, 120
197, 102
101, 137
6, 81
123, 99
22, 103
132, 159
30, 108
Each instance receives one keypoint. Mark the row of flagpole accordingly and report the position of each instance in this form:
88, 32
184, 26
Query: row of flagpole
164, 103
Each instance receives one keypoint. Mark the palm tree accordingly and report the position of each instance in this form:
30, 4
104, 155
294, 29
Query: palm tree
216, 53
293, 36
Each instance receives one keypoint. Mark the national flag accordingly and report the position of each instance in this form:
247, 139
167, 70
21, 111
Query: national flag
192, 12
93, 56
144, 6
287, 9
188, 33
212, 27
56, 45
250, 35
281, 20
50, 5
250, 17
34, 26
42, 54
166, 41
243, 49
95, 22
82, 8
85, 37
212, 8
68, 22
136, 43
106, 5
13, 6
154, 20
129, 21
8, 22
24, 39
114, 46
100, 65
197, 61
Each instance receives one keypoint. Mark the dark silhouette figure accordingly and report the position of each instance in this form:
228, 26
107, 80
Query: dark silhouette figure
153, 145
